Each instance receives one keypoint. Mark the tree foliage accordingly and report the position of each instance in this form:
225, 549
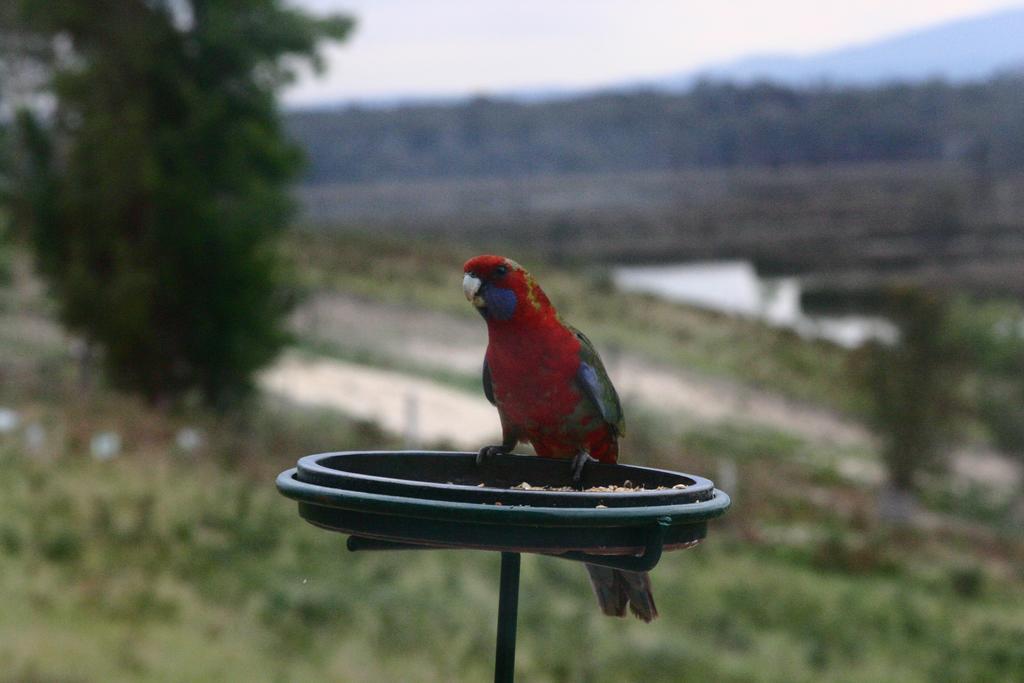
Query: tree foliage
155, 196
993, 331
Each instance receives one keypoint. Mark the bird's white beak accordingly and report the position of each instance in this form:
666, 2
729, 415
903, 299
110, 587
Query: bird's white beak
470, 287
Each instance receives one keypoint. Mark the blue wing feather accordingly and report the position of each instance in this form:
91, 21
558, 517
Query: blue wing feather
488, 386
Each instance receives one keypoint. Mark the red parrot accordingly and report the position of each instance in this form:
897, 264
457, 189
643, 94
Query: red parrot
551, 389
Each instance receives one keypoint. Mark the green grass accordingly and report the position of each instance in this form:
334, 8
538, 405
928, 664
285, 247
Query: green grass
167, 566
156, 568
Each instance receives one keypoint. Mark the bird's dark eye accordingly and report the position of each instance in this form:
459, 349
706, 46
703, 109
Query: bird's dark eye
501, 271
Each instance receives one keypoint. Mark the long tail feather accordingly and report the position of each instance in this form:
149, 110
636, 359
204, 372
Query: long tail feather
616, 589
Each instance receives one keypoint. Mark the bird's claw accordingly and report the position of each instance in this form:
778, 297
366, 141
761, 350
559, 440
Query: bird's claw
581, 459
488, 452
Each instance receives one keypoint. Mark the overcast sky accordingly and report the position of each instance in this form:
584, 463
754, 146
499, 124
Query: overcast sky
424, 48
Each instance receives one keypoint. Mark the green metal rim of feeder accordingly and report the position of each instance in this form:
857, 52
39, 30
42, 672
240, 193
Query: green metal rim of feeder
531, 524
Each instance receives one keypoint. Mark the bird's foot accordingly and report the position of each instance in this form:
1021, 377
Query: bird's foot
581, 459
488, 452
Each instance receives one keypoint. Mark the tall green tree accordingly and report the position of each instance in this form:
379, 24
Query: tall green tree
915, 384
155, 195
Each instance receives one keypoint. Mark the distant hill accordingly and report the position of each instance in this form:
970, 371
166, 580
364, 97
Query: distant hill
963, 50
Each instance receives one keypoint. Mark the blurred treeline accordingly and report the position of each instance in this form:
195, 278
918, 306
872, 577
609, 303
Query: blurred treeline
712, 125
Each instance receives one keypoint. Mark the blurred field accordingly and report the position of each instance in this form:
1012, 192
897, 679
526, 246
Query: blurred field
844, 226
418, 279
172, 564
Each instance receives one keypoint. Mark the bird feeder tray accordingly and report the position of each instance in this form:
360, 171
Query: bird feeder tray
440, 499
619, 516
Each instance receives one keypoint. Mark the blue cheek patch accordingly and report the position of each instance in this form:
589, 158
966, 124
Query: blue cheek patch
501, 303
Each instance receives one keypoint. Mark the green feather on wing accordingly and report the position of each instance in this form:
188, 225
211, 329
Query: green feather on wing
595, 383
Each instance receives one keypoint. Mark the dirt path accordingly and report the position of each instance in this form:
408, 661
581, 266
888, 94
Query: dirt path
431, 412
425, 412
444, 413
456, 344
709, 399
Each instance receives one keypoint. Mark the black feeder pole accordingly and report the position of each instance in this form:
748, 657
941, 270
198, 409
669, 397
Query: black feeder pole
508, 611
